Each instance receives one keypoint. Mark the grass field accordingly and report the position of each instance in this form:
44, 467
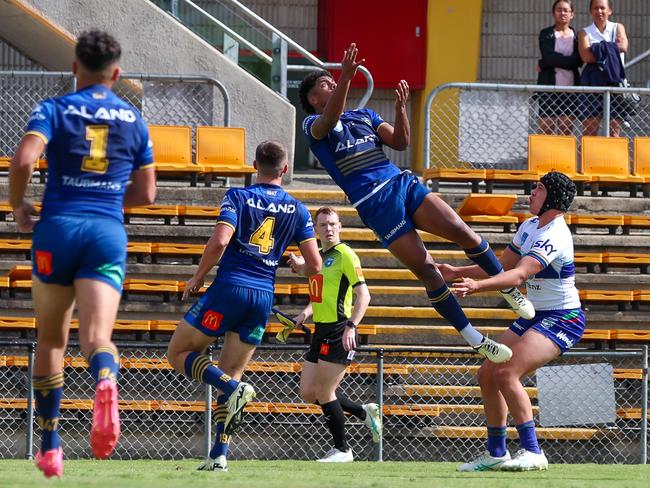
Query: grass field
303, 474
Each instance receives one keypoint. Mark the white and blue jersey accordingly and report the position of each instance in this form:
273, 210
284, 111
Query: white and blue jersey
553, 288
352, 152
94, 141
552, 291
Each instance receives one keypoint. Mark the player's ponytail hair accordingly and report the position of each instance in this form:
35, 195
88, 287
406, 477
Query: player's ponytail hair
271, 156
96, 50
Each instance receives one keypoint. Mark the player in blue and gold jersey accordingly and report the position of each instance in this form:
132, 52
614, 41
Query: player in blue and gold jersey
255, 226
349, 145
95, 143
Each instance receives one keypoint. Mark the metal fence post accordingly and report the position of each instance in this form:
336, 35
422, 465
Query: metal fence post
279, 66
607, 112
644, 408
380, 399
207, 427
29, 446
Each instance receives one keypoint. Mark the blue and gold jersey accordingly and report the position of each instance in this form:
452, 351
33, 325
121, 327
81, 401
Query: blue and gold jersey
265, 220
94, 141
352, 152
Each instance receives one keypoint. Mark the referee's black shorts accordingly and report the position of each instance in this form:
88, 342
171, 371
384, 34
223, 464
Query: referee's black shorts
327, 344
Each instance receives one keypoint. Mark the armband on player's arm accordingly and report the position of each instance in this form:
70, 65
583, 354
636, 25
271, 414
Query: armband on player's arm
349, 323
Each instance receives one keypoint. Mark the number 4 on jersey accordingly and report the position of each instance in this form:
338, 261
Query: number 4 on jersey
263, 236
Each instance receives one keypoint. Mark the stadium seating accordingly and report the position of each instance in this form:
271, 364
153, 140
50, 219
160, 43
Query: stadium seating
606, 161
172, 151
642, 162
221, 152
436, 175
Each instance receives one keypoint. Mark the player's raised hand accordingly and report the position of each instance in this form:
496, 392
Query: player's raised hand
192, 287
24, 216
350, 63
465, 287
401, 95
296, 262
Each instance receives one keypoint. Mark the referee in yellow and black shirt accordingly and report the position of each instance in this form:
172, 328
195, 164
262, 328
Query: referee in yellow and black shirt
334, 341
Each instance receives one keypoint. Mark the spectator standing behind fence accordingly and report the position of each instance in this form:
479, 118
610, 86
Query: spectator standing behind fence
254, 227
558, 65
96, 143
540, 255
602, 46
334, 341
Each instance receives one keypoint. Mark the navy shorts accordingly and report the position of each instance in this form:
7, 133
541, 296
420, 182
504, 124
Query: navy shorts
563, 327
389, 213
67, 248
230, 308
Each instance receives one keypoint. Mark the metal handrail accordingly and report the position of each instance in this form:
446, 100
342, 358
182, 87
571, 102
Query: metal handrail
606, 91
637, 59
254, 49
142, 77
370, 84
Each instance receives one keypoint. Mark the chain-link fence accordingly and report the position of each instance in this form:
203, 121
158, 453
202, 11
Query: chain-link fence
590, 407
162, 99
480, 125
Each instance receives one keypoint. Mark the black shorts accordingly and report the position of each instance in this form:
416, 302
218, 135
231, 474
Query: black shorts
327, 344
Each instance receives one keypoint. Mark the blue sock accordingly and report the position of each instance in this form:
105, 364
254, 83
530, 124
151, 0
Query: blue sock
104, 364
496, 441
48, 391
221, 440
528, 437
485, 258
446, 305
199, 368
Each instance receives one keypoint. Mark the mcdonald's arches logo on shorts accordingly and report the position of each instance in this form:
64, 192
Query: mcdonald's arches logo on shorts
212, 320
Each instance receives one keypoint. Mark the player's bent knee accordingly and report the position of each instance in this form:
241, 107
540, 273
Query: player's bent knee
308, 395
487, 375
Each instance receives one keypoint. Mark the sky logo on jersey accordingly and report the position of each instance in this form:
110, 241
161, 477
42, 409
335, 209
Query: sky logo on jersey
102, 113
328, 262
546, 245
212, 320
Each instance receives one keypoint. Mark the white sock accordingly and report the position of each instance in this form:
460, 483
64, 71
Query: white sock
471, 335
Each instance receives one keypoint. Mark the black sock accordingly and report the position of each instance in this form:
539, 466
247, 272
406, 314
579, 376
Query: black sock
350, 407
335, 421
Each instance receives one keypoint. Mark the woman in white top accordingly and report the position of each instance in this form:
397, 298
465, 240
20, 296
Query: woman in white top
601, 30
540, 255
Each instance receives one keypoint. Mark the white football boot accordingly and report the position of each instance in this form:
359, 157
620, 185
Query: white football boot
485, 462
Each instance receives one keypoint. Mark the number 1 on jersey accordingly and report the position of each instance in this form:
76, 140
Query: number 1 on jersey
96, 161
263, 236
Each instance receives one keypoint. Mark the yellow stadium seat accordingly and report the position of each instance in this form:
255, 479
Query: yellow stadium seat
606, 161
172, 151
221, 151
642, 162
481, 204
436, 175
555, 153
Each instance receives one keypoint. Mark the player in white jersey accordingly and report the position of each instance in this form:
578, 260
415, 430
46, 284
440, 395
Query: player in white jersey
540, 255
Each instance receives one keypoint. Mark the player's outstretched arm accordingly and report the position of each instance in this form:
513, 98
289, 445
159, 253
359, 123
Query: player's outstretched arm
142, 189
336, 104
527, 266
399, 136
214, 249
22, 165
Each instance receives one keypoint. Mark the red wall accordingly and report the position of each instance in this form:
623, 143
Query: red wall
390, 35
